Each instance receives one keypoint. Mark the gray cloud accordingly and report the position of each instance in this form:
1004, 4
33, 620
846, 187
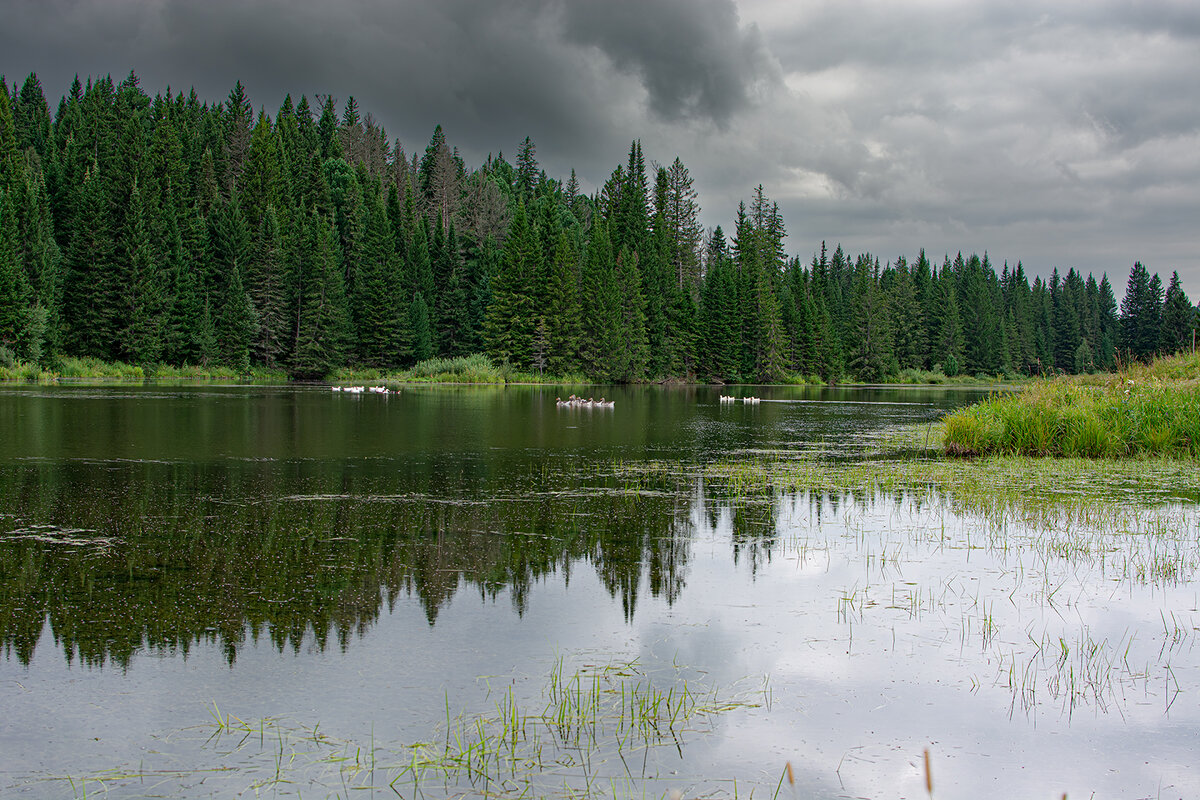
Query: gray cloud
693, 57
1062, 135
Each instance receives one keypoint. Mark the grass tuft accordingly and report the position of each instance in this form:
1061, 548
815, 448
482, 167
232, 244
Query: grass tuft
1149, 410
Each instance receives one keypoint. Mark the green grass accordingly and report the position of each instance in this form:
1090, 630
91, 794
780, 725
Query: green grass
74, 369
472, 369
1149, 410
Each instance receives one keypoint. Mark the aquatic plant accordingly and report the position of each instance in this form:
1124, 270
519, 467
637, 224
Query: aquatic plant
1148, 410
587, 724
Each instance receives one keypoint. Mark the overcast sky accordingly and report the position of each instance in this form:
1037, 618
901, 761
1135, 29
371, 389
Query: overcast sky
1059, 134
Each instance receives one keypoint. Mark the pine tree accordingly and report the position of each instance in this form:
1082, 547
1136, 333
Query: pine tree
144, 302
527, 170
630, 226
263, 181
440, 176
482, 265
323, 332
629, 359
375, 301
13, 288
238, 323
91, 321
601, 303
31, 118
909, 321
948, 348
420, 329
511, 317
1178, 319
562, 310
329, 145
9, 154
453, 314
721, 349
238, 118
40, 258
1140, 311
870, 331
419, 266
266, 286
1106, 356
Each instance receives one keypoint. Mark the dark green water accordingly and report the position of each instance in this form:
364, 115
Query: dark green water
359, 563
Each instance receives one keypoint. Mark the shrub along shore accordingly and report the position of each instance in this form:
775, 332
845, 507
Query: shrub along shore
1146, 410
472, 369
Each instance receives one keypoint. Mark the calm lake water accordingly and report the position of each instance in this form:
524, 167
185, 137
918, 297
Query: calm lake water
291, 592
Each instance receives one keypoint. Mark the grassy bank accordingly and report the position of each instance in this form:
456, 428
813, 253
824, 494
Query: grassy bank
1147, 410
476, 368
68, 368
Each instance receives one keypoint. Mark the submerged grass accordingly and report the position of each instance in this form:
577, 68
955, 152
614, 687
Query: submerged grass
589, 733
1012, 481
1148, 410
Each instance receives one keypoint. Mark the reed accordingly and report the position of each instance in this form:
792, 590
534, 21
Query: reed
588, 725
1150, 410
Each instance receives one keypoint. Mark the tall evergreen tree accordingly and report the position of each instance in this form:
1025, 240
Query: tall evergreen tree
562, 310
1178, 319
512, 316
527, 170
601, 304
144, 301
266, 287
324, 328
238, 324
1140, 312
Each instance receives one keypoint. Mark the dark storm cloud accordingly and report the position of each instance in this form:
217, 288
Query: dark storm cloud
580, 78
694, 57
1064, 134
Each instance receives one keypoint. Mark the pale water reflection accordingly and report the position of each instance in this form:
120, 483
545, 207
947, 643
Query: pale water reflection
362, 568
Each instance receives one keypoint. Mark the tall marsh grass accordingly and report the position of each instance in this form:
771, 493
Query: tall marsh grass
1149, 410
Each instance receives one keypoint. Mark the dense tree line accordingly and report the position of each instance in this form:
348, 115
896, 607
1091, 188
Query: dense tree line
168, 230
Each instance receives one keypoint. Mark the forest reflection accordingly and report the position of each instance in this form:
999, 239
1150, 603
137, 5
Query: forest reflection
114, 558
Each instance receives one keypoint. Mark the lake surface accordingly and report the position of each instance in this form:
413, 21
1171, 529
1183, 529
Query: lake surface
286, 591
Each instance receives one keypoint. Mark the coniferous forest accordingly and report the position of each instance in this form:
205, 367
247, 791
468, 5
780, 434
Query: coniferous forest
167, 230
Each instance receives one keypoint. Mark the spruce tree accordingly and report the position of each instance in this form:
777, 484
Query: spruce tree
512, 315
90, 319
1140, 311
562, 310
1178, 319
870, 347
948, 348
420, 329
601, 304
375, 302
238, 324
909, 321
266, 286
13, 288
31, 118
629, 359
324, 330
144, 303
527, 170
1109, 326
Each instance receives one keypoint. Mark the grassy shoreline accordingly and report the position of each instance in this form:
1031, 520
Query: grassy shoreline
83, 369
1145, 411
467, 370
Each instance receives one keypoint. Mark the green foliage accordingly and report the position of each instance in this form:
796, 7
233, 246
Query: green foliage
1134, 414
169, 231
